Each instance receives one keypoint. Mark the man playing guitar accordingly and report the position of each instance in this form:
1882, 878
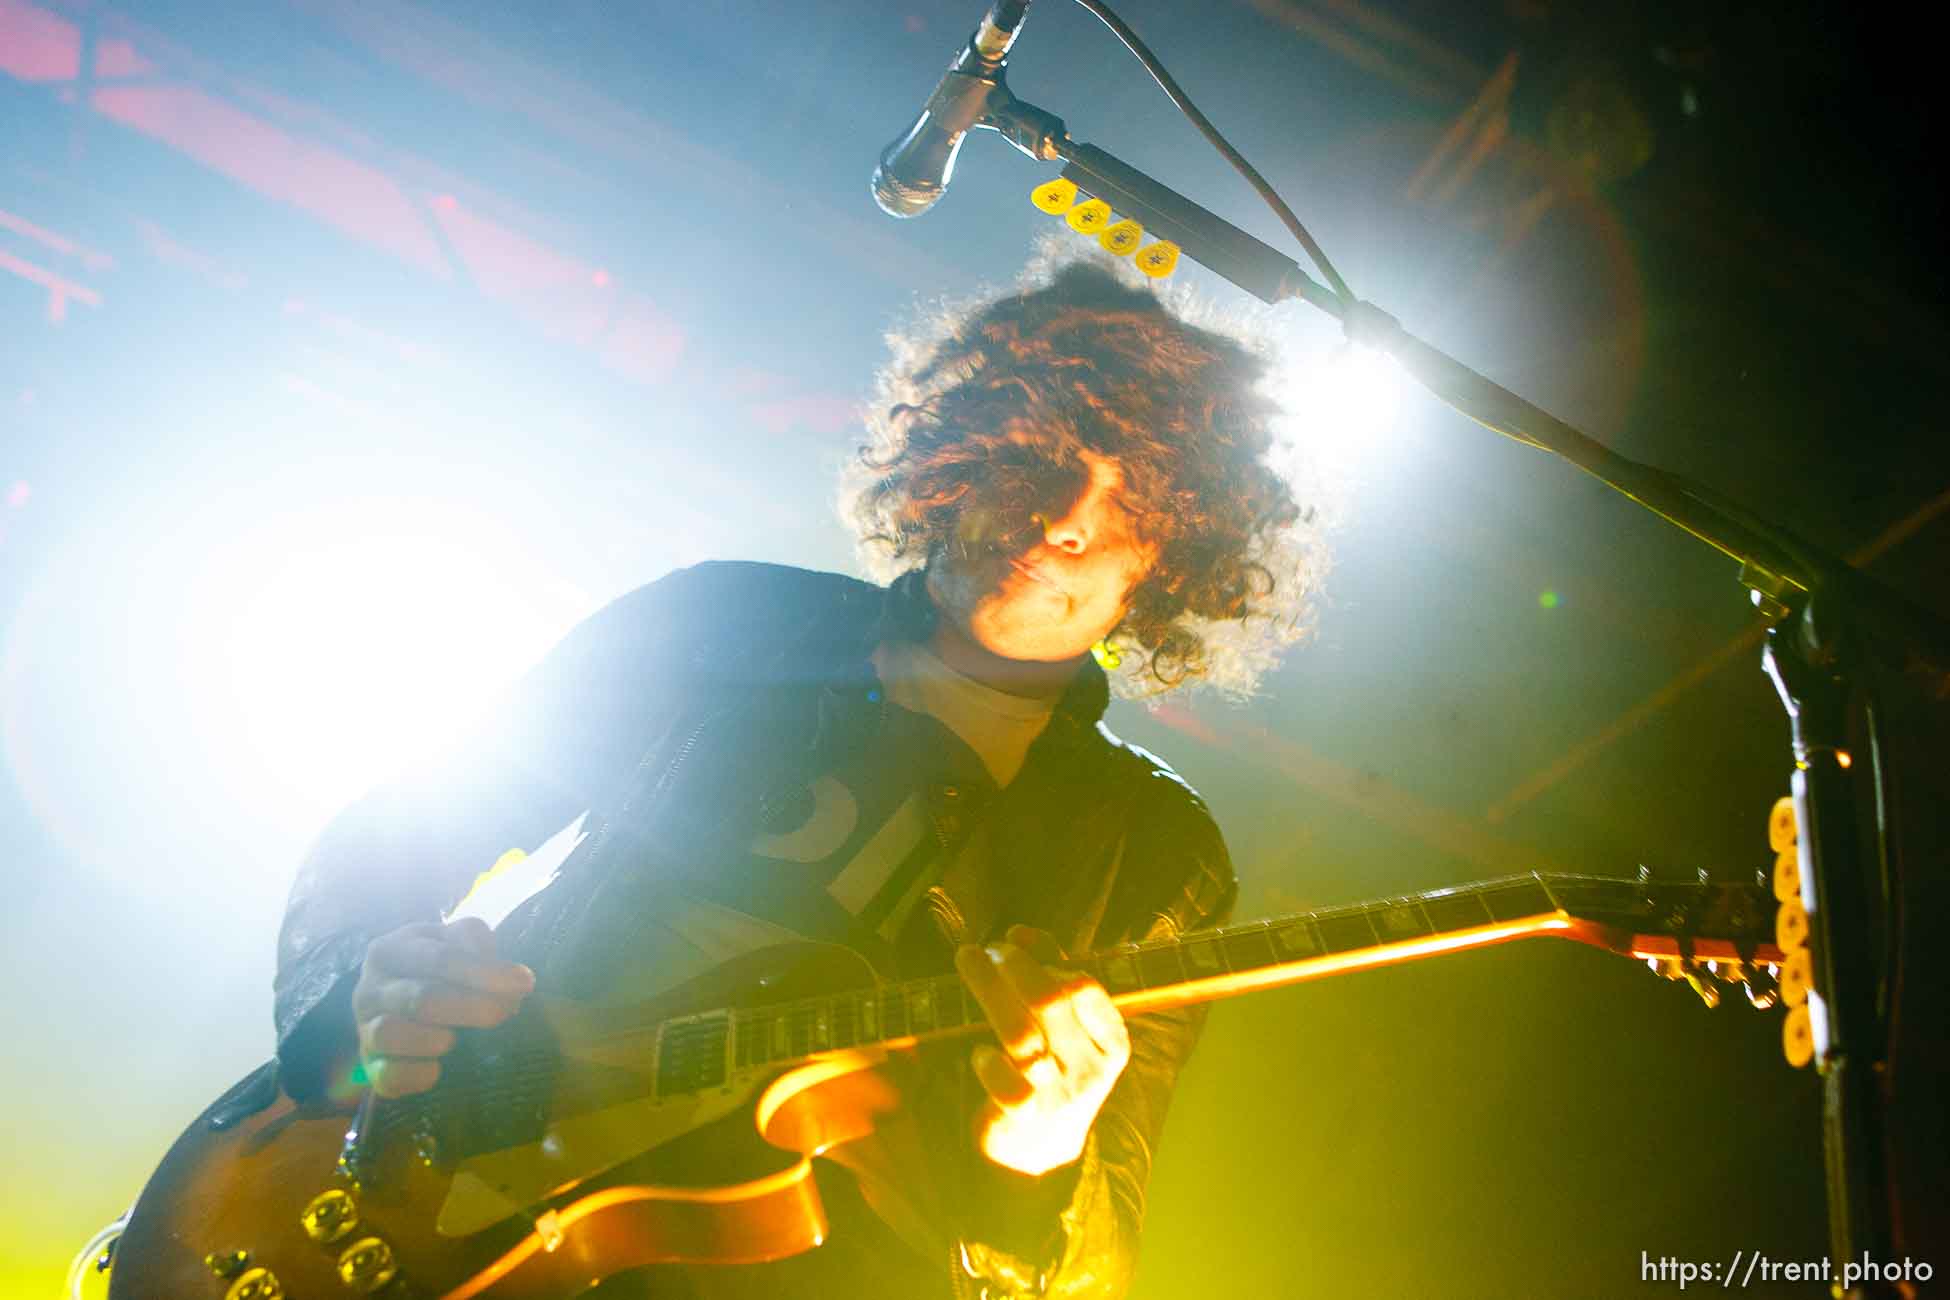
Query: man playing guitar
1062, 481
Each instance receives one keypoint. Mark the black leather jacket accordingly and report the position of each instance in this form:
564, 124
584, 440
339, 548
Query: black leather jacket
674, 714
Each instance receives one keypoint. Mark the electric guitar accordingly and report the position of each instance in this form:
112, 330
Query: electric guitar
575, 1142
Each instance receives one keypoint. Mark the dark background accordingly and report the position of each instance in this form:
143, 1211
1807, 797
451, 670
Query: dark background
607, 276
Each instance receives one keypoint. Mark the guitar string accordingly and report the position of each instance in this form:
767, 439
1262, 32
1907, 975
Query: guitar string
1133, 952
1094, 963
538, 1065
800, 1015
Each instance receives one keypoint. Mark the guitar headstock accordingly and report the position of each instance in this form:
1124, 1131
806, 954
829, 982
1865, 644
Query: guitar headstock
1711, 933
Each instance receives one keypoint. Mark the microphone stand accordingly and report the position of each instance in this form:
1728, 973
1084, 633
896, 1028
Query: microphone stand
1853, 662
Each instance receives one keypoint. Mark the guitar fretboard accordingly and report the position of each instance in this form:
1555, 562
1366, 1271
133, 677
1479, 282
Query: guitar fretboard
1140, 977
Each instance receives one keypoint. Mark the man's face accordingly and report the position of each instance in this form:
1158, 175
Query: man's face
1060, 596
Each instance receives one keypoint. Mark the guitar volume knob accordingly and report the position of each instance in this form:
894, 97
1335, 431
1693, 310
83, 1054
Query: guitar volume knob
329, 1216
227, 1263
255, 1284
367, 1264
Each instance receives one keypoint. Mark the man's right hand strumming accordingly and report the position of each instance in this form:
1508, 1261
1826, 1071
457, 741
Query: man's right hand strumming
419, 984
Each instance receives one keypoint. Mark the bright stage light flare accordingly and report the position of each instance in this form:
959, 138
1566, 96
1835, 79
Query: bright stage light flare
355, 637
1343, 404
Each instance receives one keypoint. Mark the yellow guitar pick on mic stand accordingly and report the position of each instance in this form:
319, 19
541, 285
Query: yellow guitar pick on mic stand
1094, 217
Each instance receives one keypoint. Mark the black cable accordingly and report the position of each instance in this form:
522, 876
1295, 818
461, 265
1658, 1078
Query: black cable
1211, 133
1785, 542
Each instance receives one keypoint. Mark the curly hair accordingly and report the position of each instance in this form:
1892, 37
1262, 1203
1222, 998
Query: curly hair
989, 406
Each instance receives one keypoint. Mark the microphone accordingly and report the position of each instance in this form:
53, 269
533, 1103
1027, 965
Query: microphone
914, 170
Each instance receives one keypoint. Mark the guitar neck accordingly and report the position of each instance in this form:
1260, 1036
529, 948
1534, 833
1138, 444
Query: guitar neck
1677, 927
1697, 921
1235, 959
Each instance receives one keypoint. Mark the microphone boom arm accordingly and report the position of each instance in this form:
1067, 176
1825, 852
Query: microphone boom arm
1773, 567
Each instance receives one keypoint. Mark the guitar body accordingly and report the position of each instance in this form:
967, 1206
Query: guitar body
720, 1178
576, 1142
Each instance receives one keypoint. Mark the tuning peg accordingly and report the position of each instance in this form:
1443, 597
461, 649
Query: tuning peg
1673, 968
1756, 980
1762, 991
1781, 828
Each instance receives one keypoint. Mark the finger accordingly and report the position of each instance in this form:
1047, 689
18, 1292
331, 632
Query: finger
1040, 944
391, 1035
473, 934
1102, 1021
1036, 984
431, 957
1005, 1084
1001, 1002
1075, 1052
433, 1003
406, 934
393, 1076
